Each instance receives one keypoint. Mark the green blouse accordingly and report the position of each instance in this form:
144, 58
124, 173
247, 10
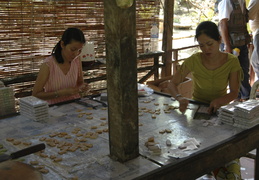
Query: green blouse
210, 84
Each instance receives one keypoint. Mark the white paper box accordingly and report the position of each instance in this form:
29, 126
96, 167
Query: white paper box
87, 53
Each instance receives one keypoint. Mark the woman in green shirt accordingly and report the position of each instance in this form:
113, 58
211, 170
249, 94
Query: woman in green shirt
213, 71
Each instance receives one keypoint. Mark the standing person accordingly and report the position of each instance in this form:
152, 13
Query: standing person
253, 8
60, 77
212, 71
233, 17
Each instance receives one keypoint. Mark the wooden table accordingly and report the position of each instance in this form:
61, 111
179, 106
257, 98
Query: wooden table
219, 144
206, 160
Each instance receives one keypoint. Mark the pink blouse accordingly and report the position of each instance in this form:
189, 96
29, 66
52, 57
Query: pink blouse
58, 80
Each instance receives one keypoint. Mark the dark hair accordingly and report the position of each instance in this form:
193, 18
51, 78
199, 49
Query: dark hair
69, 35
209, 28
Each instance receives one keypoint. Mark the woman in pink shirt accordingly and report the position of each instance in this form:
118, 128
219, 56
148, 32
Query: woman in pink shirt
60, 77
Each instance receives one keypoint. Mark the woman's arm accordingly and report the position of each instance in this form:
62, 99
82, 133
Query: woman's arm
234, 85
177, 79
80, 79
83, 87
38, 89
155, 84
173, 88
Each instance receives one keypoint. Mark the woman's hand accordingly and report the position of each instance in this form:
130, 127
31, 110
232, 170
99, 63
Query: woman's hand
214, 106
84, 89
68, 91
183, 103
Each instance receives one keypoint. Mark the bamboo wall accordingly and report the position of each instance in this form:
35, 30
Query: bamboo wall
29, 29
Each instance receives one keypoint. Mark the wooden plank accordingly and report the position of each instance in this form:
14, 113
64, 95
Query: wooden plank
120, 35
19, 79
148, 75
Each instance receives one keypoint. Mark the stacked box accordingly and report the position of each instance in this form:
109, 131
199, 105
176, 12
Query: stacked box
226, 114
104, 97
7, 101
34, 108
246, 114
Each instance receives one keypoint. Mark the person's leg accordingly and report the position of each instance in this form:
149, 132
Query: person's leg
255, 55
244, 63
231, 171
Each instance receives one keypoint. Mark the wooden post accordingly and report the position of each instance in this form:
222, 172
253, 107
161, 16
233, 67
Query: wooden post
167, 37
121, 62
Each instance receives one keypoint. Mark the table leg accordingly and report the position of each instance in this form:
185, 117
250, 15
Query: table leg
156, 73
257, 164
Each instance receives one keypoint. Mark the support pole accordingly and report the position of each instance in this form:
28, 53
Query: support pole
168, 37
121, 61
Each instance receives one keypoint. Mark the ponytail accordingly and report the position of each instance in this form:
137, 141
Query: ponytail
57, 53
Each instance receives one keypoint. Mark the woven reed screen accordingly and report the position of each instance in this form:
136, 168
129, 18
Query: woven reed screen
29, 29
